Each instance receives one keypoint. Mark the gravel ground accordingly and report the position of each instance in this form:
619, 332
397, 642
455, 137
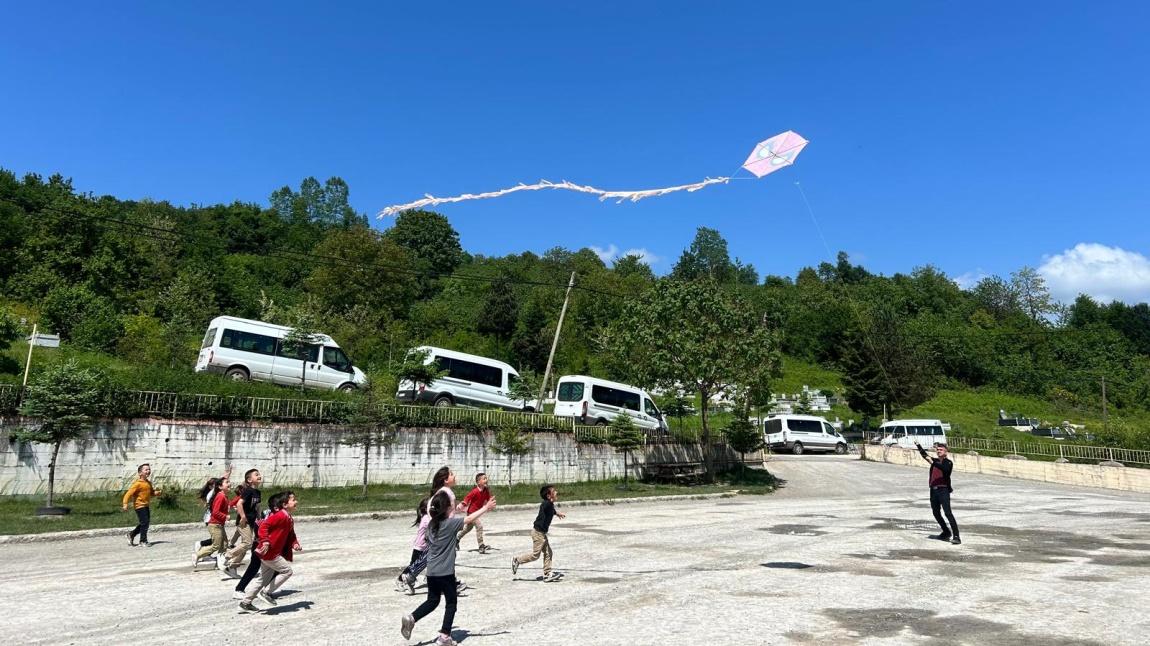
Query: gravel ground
840, 554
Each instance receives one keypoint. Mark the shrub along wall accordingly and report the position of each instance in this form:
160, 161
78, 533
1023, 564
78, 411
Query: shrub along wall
186, 453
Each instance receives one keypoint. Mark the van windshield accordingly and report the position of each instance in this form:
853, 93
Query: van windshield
570, 391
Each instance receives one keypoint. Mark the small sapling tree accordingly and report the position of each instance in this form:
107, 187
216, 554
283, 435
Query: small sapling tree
625, 438
513, 442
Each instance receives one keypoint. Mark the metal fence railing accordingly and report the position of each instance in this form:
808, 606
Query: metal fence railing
1073, 452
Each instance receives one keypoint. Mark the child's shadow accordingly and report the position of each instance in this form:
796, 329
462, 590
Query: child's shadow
291, 607
461, 635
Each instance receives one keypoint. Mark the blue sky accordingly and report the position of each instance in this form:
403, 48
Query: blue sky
975, 136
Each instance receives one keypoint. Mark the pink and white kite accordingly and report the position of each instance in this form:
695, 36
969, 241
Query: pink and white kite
767, 157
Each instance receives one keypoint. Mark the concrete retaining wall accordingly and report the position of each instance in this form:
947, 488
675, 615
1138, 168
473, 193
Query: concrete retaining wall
188, 452
1082, 475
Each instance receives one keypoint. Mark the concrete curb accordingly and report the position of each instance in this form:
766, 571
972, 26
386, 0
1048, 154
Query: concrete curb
365, 515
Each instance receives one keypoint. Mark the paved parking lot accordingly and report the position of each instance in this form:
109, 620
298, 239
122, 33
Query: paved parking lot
839, 555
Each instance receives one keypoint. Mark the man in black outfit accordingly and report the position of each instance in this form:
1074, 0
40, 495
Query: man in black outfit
940, 491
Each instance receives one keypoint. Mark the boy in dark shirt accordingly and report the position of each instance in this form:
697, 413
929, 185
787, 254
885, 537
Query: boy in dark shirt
539, 542
940, 491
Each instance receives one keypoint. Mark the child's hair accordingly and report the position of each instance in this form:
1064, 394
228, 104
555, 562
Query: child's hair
440, 479
280, 499
211, 486
248, 474
544, 490
478, 476
140, 469
240, 489
439, 509
420, 511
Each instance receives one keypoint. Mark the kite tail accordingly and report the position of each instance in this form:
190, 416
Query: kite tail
619, 196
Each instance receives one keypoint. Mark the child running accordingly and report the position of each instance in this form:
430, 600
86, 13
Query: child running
471, 503
277, 541
250, 510
444, 480
140, 495
217, 520
539, 542
441, 582
245, 512
406, 579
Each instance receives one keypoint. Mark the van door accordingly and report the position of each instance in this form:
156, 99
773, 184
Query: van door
335, 368
807, 431
569, 398
654, 418
288, 368
477, 384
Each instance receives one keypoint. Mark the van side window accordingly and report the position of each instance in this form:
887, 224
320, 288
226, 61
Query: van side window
335, 358
774, 426
309, 352
477, 373
570, 391
248, 342
209, 338
650, 408
805, 426
828, 429
615, 397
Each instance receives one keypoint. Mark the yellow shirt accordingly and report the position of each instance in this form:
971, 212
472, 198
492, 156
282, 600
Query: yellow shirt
142, 491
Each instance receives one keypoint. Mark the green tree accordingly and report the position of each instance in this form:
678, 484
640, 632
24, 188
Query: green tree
64, 398
512, 442
625, 438
416, 371
804, 404
526, 388
694, 335
743, 437
882, 366
302, 340
430, 238
362, 268
1033, 295
632, 265
9, 332
371, 425
707, 257
500, 312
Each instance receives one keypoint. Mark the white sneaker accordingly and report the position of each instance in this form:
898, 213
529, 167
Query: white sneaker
221, 563
232, 572
236, 594
267, 597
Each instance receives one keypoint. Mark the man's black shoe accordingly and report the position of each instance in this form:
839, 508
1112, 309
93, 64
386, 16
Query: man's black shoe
942, 537
956, 541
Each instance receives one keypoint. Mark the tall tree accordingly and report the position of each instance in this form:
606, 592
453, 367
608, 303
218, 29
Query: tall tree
691, 334
707, 257
882, 365
1032, 293
429, 238
500, 312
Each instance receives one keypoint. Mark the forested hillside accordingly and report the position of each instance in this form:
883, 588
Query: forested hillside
141, 280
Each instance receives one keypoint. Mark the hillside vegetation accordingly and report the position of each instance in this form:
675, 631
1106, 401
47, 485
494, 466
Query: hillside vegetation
130, 286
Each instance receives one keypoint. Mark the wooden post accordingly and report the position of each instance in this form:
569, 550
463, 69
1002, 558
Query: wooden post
28, 363
555, 343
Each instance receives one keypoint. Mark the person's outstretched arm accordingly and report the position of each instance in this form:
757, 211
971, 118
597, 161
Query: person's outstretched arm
922, 452
472, 517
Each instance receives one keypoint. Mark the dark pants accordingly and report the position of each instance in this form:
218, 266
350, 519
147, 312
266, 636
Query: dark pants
940, 500
440, 586
143, 520
253, 564
417, 564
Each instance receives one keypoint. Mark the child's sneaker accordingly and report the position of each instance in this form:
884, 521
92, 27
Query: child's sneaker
445, 640
247, 605
410, 581
221, 563
514, 565
460, 586
552, 577
407, 624
232, 572
268, 598
238, 595
483, 549
131, 539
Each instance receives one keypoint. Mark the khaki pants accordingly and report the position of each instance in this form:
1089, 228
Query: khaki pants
237, 554
219, 538
539, 545
273, 574
478, 525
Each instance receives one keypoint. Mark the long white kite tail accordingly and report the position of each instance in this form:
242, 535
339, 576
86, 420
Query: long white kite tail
767, 157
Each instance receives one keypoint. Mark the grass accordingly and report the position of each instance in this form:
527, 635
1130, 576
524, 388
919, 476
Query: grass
97, 511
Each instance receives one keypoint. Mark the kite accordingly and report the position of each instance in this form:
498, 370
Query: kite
767, 157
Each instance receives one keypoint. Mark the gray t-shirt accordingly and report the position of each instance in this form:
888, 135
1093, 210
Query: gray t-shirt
441, 547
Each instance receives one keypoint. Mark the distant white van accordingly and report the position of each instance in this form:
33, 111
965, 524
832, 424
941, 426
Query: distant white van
470, 380
243, 349
598, 401
905, 432
801, 433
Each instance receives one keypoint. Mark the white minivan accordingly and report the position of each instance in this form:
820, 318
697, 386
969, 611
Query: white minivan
243, 349
598, 401
801, 433
905, 432
469, 380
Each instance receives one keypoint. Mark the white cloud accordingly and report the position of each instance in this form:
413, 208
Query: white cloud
1105, 273
970, 278
612, 253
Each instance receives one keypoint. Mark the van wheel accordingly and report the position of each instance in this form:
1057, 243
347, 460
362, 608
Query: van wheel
600, 422
797, 449
841, 449
348, 388
237, 374
443, 402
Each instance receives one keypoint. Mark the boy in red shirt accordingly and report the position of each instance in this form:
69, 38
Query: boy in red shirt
277, 541
472, 503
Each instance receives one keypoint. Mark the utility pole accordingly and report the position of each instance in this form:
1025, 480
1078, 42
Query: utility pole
1105, 415
28, 363
554, 344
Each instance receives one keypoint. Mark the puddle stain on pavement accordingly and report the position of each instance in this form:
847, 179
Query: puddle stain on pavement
966, 629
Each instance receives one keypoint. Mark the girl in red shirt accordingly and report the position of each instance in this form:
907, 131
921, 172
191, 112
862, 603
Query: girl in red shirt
217, 519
